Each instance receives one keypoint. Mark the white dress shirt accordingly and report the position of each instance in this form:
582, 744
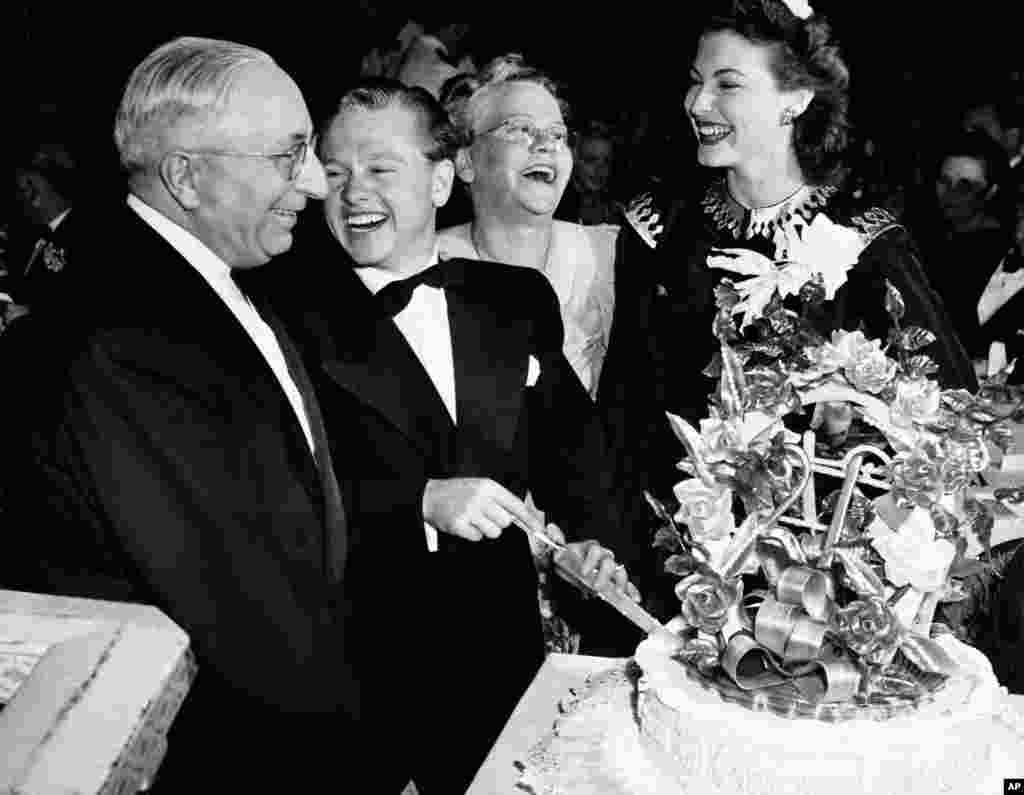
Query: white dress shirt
56, 221
1001, 287
217, 274
581, 268
424, 324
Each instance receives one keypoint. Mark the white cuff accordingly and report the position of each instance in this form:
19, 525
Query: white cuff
996, 357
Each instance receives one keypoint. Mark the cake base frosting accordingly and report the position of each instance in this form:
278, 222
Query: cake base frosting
962, 742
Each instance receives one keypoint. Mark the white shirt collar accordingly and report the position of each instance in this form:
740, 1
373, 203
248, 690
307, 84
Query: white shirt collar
376, 279
217, 274
53, 223
199, 256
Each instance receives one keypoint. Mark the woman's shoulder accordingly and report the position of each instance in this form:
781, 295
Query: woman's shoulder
597, 240
653, 213
644, 214
868, 219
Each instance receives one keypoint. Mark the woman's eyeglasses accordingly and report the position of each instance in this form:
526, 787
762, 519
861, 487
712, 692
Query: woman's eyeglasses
526, 133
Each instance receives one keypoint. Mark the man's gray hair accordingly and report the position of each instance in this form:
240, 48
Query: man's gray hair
182, 85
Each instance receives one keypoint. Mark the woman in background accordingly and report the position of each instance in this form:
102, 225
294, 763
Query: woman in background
588, 199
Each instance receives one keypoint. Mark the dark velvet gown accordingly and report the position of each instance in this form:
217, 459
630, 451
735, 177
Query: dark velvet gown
682, 322
662, 338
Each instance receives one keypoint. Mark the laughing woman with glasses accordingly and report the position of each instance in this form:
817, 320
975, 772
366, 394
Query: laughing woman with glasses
515, 162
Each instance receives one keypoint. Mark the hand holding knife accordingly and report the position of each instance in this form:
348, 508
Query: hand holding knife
568, 562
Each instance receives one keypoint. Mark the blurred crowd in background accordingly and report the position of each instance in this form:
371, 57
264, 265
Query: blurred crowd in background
939, 142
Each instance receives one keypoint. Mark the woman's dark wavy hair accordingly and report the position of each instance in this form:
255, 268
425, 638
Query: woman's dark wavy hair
804, 57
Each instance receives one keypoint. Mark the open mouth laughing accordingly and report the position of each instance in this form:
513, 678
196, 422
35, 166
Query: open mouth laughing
288, 216
540, 173
365, 222
709, 134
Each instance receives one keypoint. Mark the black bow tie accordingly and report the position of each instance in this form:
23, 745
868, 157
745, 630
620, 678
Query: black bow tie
392, 298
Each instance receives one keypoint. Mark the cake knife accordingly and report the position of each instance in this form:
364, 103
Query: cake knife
611, 595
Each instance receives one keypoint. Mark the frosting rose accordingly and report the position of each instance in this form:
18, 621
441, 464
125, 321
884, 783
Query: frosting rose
707, 511
868, 628
706, 599
917, 400
871, 371
768, 390
912, 554
723, 438
917, 476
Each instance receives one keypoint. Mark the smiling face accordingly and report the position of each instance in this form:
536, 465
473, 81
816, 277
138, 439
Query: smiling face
960, 188
247, 207
735, 104
593, 164
383, 192
508, 178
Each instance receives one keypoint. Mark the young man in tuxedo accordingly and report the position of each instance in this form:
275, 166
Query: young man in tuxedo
456, 402
172, 451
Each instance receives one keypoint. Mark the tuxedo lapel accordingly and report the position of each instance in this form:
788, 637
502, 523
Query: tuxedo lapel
490, 355
206, 345
336, 538
300, 458
372, 360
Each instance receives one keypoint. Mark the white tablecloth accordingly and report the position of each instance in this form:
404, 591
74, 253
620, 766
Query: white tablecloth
535, 715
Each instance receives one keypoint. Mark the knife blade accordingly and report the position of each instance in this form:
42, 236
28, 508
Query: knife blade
610, 595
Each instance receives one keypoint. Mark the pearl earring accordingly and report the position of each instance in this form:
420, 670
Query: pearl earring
787, 117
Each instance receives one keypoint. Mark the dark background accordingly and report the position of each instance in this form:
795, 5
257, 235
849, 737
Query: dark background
914, 63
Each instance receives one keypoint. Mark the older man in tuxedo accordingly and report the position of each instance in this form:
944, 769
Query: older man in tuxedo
172, 450
456, 401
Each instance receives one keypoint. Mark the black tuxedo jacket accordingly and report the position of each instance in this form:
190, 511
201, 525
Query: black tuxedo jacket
31, 275
158, 460
468, 615
1006, 324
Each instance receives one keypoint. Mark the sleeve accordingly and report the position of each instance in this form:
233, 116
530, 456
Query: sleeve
893, 256
1007, 622
136, 486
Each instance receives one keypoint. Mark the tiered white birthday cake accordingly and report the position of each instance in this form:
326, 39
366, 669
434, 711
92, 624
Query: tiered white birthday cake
963, 741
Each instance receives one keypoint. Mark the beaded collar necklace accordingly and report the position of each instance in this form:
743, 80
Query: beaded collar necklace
727, 214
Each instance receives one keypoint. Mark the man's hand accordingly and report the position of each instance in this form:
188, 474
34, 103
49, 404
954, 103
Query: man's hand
594, 564
474, 508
